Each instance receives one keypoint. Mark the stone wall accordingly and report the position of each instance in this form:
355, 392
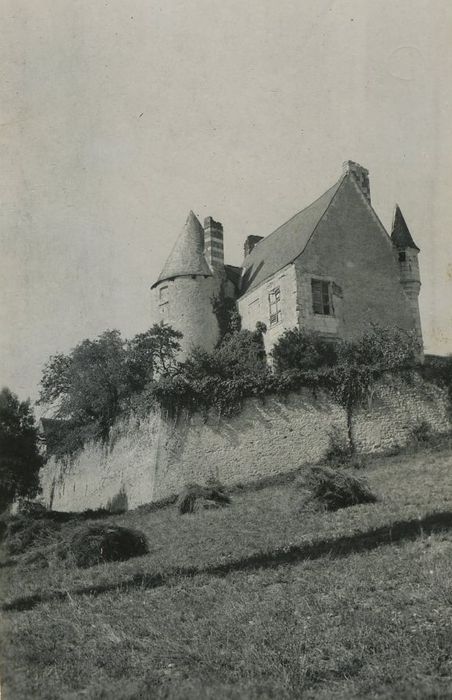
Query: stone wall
352, 250
186, 304
152, 459
254, 306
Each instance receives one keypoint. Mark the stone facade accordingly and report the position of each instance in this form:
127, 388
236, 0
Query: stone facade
149, 460
254, 306
185, 303
352, 252
331, 268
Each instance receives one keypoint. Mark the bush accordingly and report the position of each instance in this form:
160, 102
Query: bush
301, 349
422, 433
194, 497
22, 532
96, 544
339, 451
220, 379
336, 489
33, 509
340, 454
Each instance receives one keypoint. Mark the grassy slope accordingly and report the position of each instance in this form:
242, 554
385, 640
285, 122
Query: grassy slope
372, 624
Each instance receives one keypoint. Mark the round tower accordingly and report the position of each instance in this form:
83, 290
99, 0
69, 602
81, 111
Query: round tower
407, 256
182, 294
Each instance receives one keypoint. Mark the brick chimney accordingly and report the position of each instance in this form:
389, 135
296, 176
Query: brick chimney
250, 242
213, 243
361, 176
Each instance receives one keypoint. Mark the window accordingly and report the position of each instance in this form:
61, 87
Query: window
321, 299
163, 295
163, 300
274, 303
402, 256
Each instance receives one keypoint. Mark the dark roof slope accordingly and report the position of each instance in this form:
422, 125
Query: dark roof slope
401, 236
286, 243
187, 256
233, 274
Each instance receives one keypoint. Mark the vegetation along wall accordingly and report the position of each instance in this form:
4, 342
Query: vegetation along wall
152, 459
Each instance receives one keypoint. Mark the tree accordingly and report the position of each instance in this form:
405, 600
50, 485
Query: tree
219, 379
152, 354
303, 350
89, 384
360, 363
20, 459
92, 385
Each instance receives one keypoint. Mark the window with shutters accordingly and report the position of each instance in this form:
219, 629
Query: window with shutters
274, 303
321, 297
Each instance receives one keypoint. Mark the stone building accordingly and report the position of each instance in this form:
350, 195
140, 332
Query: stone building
331, 268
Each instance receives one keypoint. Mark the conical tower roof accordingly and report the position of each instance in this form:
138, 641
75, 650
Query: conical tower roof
401, 236
187, 256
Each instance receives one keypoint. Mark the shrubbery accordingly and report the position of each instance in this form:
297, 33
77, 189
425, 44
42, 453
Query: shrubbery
20, 458
106, 378
220, 379
97, 381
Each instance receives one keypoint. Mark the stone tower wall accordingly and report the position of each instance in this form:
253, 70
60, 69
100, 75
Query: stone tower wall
186, 304
411, 282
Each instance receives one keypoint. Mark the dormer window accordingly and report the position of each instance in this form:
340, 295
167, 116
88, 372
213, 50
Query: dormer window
274, 303
321, 297
402, 256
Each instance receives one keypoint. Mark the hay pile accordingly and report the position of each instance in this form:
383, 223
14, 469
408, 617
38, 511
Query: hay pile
195, 497
99, 543
334, 489
22, 532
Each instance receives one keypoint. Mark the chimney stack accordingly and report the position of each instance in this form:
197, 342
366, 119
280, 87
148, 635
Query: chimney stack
361, 176
213, 243
250, 242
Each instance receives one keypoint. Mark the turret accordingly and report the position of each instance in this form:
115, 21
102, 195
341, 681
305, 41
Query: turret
407, 256
182, 294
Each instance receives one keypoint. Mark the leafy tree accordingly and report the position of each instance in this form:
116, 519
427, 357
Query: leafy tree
89, 384
220, 379
20, 459
92, 385
301, 349
360, 363
152, 353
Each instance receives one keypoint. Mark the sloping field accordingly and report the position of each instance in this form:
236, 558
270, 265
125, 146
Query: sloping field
263, 599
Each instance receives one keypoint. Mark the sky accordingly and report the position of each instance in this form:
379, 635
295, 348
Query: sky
117, 118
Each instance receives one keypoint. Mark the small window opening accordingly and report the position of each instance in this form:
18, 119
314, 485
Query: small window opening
321, 299
163, 295
402, 256
274, 303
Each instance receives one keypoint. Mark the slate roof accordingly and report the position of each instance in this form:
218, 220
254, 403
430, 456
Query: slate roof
187, 255
401, 236
285, 244
233, 274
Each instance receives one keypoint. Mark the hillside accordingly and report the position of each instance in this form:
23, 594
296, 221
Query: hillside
266, 598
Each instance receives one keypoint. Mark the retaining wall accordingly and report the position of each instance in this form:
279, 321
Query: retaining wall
153, 458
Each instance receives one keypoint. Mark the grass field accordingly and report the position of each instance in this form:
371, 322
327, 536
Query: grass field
263, 599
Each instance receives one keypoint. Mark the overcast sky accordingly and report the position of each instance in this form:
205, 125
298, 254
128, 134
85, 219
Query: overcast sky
118, 117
